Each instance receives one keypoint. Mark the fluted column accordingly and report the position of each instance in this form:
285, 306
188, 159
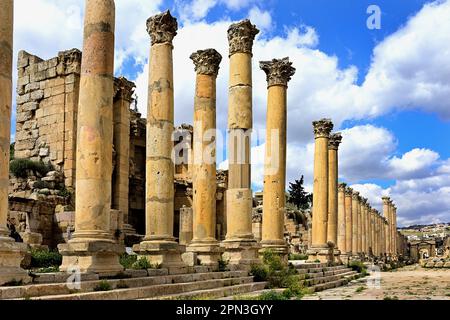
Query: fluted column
367, 228
159, 244
240, 244
332, 226
279, 73
204, 241
93, 238
348, 221
394, 230
376, 235
359, 244
341, 243
319, 248
355, 209
372, 231
11, 253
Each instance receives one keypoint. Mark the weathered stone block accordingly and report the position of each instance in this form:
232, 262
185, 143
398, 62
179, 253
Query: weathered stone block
23, 98
37, 95
24, 116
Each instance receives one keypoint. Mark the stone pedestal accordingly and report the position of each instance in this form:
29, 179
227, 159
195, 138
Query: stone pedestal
159, 244
204, 242
240, 245
279, 73
186, 226
92, 249
320, 249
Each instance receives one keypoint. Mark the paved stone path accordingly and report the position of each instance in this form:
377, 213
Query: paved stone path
409, 283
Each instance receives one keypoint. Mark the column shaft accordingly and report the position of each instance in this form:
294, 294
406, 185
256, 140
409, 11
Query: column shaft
348, 221
355, 206
342, 244
6, 56
332, 226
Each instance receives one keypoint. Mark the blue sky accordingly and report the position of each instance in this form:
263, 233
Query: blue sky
387, 90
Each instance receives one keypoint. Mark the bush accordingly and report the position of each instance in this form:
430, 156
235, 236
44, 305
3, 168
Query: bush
127, 260
11, 151
223, 265
358, 266
273, 296
260, 273
20, 167
142, 264
45, 259
51, 269
41, 185
103, 286
298, 257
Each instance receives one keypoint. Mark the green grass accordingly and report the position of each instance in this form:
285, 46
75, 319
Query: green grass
103, 286
41, 258
127, 260
360, 289
298, 257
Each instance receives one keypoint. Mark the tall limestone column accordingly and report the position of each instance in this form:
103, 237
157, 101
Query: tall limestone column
204, 242
375, 235
159, 244
355, 206
342, 245
333, 146
394, 230
363, 226
279, 73
11, 253
121, 117
387, 231
92, 247
348, 222
240, 245
320, 250
359, 244
366, 227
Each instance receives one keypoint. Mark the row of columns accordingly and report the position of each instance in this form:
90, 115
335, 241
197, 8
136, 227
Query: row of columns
344, 225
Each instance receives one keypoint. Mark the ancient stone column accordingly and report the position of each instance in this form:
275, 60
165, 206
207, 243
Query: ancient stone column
121, 118
204, 242
11, 253
319, 249
363, 226
355, 206
348, 221
375, 236
279, 73
186, 225
386, 214
359, 244
240, 245
92, 247
333, 146
341, 243
366, 228
394, 229
159, 244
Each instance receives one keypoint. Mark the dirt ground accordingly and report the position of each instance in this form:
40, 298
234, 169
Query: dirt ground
409, 283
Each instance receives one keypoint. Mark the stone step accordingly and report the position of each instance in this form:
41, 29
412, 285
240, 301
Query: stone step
151, 291
345, 279
218, 293
337, 271
299, 265
36, 290
325, 279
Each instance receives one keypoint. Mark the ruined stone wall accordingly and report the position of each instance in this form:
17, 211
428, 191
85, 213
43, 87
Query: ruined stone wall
47, 100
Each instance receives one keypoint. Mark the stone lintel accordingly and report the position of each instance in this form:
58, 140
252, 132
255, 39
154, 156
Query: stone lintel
322, 128
162, 28
207, 61
241, 36
123, 89
278, 71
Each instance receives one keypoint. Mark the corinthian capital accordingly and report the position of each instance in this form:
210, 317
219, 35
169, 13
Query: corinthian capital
278, 71
342, 187
322, 128
124, 89
241, 36
355, 195
348, 191
386, 200
206, 61
162, 28
335, 141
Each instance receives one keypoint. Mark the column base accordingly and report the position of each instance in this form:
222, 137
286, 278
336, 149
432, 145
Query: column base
241, 253
323, 254
11, 255
337, 256
278, 247
166, 254
91, 256
208, 253
345, 258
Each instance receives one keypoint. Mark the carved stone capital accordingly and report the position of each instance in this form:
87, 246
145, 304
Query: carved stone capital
241, 36
335, 141
342, 187
162, 28
386, 200
123, 89
355, 195
278, 71
207, 61
349, 191
322, 128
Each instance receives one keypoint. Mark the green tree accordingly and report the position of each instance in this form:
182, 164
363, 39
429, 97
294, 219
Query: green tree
298, 196
11, 151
